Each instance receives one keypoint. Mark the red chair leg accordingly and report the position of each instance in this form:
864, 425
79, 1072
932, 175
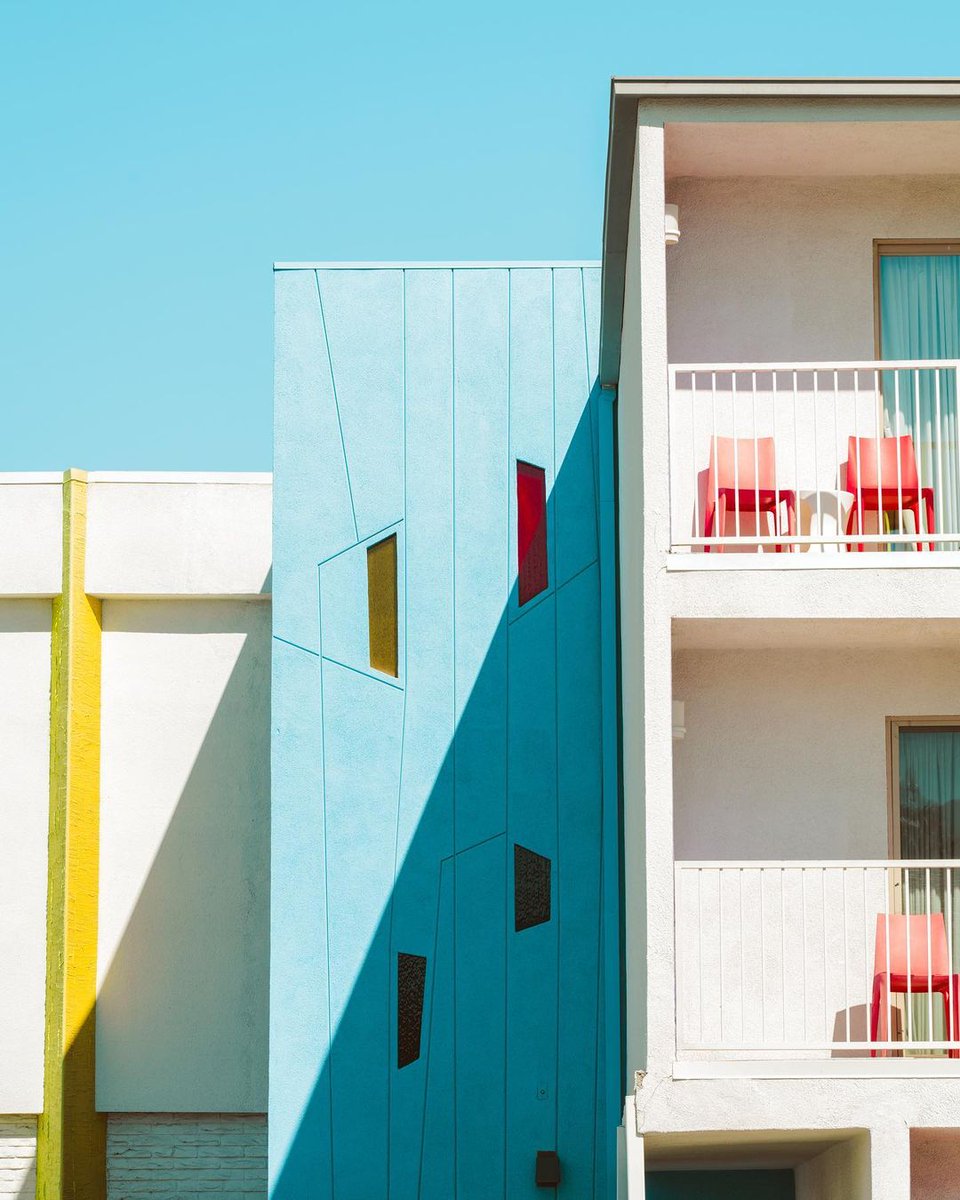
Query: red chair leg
721, 520
791, 503
928, 505
855, 513
708, 519
878, 1016
915, 509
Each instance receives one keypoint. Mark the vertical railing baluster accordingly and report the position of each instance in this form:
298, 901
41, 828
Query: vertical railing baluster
918, 448
796, 445
938, 450
955, 515
926, 871
743, 989
951, 983
720, 946
816, 452
803, 947
776, 468
756, 464
896, 435
693, 453
906, 904
856, 446
868, 976
736, 453
876, 380
717, 531
823, 922
836, 446
886, 922
763, 963
783, 961
700, 959
846, 963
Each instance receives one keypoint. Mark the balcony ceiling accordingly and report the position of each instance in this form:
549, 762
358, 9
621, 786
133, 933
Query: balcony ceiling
769, 1149
722, 149
772, 633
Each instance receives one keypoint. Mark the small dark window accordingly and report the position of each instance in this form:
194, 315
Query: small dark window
531, 888
411, 979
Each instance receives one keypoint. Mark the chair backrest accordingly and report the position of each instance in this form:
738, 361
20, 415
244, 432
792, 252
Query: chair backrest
921, 966
863, 455
748, 464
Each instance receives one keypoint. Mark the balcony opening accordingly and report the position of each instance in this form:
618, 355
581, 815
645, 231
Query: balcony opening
817, 835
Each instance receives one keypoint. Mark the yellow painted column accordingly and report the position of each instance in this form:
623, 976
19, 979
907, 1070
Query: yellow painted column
71, 1135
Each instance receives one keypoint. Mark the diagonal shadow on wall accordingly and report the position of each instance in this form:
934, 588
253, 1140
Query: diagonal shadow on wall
180, 1023
515, 1030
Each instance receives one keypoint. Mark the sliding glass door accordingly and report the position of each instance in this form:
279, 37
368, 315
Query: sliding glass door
927, 759
919, 317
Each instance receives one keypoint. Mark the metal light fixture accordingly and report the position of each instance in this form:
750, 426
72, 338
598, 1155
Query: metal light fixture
671, 224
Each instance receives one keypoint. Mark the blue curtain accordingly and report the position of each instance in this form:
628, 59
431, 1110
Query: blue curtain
930, 828
920, 318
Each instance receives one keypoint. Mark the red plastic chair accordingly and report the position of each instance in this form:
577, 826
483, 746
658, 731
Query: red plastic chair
747, 485
922, 975
882, 493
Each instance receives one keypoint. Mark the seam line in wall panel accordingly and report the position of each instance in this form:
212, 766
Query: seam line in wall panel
336, 405
326, 878
453, 737
335, 662
360, 541
506, 756
392, 980
295, 645
590, 408
556, 700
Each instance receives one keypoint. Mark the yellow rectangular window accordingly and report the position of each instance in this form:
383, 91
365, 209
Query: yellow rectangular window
382, 604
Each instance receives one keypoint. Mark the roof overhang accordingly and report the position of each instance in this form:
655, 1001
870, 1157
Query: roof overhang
705, 101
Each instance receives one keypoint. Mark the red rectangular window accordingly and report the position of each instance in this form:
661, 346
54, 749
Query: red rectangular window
531, 530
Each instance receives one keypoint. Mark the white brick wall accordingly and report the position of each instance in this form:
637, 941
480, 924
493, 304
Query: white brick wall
176, 1156
18, 1153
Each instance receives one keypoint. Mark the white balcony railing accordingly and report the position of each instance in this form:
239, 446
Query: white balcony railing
790, 960
815, 456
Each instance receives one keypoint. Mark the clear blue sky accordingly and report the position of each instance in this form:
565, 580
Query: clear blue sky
157, 158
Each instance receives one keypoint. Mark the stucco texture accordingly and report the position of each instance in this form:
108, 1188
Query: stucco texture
780, 270
785, 751
405, 399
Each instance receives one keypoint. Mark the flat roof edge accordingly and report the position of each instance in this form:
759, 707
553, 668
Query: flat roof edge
246, 478
918, 86
467, 265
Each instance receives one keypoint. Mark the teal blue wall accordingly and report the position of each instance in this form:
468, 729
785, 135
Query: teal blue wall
720, 1185
404, 399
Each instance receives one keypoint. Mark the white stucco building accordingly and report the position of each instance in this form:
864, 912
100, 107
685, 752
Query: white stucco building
770, 822
168, 844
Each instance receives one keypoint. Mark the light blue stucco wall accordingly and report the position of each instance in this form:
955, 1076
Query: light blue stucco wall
404, 398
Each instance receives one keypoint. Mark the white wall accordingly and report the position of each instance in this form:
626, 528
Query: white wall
30, 534
772, 270
24, 805
178, 535
190, 1156
785, 751
18, 1156
184, 877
